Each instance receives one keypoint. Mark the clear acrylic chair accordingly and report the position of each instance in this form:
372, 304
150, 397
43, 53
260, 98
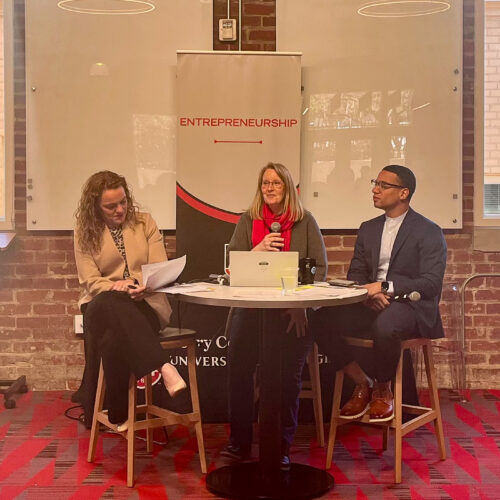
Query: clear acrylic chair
448, 351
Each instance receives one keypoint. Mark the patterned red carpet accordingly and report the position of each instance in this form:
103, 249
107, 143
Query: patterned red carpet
43, 456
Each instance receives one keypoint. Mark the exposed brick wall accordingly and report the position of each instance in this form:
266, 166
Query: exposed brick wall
38, 287
258, 28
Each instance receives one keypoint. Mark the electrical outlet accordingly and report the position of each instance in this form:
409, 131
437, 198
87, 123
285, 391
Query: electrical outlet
78, 323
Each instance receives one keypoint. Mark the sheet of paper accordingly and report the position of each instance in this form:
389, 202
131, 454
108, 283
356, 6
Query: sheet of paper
161, 274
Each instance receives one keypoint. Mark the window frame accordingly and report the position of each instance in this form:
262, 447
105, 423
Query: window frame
480, 219
8, 48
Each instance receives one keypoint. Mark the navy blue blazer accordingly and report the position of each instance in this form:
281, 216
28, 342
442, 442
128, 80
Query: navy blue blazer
417, 263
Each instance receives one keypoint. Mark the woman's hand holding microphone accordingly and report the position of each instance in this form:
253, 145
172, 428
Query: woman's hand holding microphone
272, 242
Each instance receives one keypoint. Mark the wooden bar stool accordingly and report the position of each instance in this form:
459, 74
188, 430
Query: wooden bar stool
311, 389
424, 414
170, 338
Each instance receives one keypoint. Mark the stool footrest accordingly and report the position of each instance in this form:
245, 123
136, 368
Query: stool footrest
418, 421
170, 333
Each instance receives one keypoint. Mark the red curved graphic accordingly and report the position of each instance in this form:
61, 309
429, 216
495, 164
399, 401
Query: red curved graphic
206, 209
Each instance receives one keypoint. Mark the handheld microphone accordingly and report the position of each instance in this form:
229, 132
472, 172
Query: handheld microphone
275, 227
412, 297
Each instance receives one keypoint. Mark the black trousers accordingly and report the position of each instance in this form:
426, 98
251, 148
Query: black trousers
242, 361
387, 329
124, 333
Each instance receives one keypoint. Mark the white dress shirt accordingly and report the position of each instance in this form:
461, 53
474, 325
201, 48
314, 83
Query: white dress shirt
391, 228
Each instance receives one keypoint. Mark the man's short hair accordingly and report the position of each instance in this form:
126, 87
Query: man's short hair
406, 176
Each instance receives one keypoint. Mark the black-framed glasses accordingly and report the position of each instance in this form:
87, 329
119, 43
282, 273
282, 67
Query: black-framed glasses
385, 185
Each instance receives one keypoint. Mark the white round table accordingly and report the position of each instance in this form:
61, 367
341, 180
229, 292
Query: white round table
264, 479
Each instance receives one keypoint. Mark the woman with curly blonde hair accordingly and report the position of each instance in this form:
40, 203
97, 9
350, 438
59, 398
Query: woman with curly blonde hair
89, 222
121, 318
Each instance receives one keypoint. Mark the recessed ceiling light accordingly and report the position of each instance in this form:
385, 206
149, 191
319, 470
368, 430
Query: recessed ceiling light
107, 7
403, 8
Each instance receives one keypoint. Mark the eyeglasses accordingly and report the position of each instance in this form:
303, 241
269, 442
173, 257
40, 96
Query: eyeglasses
274, 184
385, 185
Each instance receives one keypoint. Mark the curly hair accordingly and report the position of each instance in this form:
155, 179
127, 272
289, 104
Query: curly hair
291, 199
89, 221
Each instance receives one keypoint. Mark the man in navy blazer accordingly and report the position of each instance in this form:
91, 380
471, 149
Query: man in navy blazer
395, 254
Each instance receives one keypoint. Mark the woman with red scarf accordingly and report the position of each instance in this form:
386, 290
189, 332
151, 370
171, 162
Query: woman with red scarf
276, 200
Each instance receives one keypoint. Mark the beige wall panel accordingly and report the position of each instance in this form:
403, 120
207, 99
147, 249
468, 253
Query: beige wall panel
377, 90
101, 95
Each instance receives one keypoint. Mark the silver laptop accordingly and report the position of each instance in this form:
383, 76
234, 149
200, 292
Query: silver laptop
261, 268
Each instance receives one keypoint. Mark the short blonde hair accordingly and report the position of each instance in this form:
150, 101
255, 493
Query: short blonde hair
291, 200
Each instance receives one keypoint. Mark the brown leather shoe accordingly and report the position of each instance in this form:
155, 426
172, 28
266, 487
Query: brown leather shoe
381, 406
359, 403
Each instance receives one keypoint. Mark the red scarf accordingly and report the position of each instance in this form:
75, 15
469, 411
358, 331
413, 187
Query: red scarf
261, 227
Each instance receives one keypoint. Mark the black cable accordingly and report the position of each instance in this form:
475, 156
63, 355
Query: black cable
80, 417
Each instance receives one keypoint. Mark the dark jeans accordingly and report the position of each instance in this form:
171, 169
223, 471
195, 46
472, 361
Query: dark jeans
124, 334
387, 329
242, 362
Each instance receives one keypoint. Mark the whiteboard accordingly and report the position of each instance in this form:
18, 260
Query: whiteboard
101, 96
377, 91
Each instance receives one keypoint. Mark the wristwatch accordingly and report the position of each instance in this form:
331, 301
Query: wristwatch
384, 286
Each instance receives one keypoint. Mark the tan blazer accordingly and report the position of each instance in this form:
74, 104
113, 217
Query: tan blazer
143, 245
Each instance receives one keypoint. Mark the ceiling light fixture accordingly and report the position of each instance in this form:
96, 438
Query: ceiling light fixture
403, 8
107, 7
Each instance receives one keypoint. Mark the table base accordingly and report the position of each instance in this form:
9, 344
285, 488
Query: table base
244, 480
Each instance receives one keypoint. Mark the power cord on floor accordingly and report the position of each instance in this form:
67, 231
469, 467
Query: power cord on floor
79, 417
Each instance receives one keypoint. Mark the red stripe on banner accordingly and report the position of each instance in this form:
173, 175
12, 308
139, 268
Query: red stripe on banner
202, 207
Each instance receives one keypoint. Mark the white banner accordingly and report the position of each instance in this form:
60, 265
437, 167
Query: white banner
236, 112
